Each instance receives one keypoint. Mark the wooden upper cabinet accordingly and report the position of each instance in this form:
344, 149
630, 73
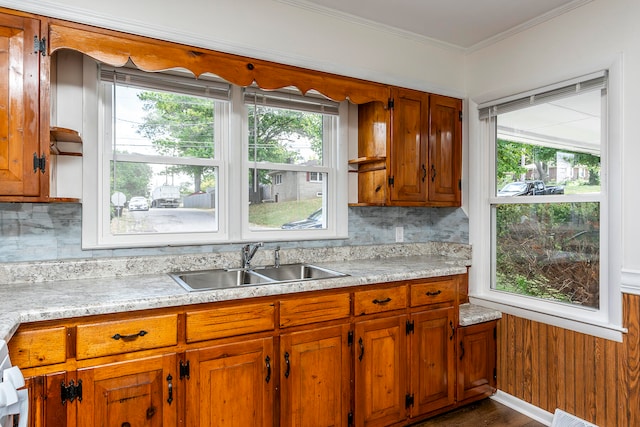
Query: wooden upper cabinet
20, 139
420, 162
445, 150
408, 159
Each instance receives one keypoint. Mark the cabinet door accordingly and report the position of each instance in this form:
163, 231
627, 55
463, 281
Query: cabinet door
231, 385
381, 371
477, 361
445, 150
136, 393
314, 377
432, 360
19, 107
408, 148
46, 407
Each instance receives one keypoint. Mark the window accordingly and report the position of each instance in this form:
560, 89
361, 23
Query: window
164, 155
545, 214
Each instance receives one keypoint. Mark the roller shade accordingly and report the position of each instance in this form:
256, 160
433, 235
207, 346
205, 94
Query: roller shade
596, 81
290, 99
169, 81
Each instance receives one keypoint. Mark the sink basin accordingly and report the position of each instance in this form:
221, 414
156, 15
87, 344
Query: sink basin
207, 280
217, 279
296, 272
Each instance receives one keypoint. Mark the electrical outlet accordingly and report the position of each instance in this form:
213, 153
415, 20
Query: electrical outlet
399, 234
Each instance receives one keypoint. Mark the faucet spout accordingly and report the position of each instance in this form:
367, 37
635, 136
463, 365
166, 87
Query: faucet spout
248, 252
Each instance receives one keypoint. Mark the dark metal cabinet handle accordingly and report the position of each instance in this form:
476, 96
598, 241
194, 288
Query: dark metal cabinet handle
453, 330
381, 301
424, 172
461, 350
286, 361
170, 389
129, 337
267, 361
361, 344
433, 294
433, 173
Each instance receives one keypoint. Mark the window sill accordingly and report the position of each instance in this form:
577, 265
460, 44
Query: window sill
583, 325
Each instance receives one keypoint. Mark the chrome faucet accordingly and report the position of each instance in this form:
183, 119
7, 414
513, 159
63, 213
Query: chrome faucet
276, 257
248, 251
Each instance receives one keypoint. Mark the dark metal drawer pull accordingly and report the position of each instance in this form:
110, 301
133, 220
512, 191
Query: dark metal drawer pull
382, 301
433, 294
129, 337
287, 372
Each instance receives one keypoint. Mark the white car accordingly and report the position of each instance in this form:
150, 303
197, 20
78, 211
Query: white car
138, 203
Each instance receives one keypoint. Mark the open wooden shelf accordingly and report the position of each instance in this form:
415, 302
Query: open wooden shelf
59, 134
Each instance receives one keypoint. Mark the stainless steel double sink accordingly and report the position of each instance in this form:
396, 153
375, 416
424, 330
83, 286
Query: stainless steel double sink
206, 280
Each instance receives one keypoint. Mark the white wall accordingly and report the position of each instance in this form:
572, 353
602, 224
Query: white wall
273, 30
587, 39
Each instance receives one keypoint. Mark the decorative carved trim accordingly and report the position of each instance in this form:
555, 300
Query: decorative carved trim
117, 49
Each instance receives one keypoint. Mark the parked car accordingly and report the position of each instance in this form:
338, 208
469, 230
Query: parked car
312, 221
529, 188
138, 203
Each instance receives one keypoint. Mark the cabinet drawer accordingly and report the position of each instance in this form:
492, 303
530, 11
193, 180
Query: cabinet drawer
434, 292
123, 336
39, 347
302, 311
229, 321
379, 300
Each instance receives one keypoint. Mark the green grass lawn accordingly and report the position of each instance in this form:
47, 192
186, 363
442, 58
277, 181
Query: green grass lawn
273, 215
581, 189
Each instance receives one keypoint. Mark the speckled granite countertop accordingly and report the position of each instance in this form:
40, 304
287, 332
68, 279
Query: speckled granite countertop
91, 287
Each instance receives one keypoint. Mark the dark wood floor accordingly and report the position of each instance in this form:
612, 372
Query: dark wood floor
487, 412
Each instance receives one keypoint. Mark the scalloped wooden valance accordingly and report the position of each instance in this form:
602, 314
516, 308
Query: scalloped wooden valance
148, 54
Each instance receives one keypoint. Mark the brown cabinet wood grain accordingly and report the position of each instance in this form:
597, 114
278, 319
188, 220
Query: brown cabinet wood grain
420, 161
136, 393
432, 360
20, 68
231, 384
315, 369
476, 361
380, 371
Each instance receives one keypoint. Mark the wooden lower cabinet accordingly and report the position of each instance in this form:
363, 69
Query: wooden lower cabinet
315, 382
432, 360
137, 393
381, 371
231, 385
477, 361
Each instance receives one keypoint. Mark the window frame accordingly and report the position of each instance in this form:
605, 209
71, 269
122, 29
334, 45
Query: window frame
604, 322
231, 192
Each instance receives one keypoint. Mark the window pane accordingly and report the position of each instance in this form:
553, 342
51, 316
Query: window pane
151, 122
154, 198
285, 136
288, 200
551, 148
549, 251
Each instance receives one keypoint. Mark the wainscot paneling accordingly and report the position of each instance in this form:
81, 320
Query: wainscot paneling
593, 378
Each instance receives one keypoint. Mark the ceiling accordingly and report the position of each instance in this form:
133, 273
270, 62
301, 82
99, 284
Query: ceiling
463, 24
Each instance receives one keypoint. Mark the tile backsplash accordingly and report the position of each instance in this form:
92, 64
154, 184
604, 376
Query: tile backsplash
52, 231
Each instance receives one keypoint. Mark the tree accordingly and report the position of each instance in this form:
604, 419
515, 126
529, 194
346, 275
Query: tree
182, 125
132, 179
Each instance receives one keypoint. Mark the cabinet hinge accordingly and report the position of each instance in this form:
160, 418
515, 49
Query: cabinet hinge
495, 333
460, 184
410, 327
350, 338
350, 418
39, 163
408, 400
71, 392
184, 370
460, 115
390, 104
495, 374
40, 45
390, 181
